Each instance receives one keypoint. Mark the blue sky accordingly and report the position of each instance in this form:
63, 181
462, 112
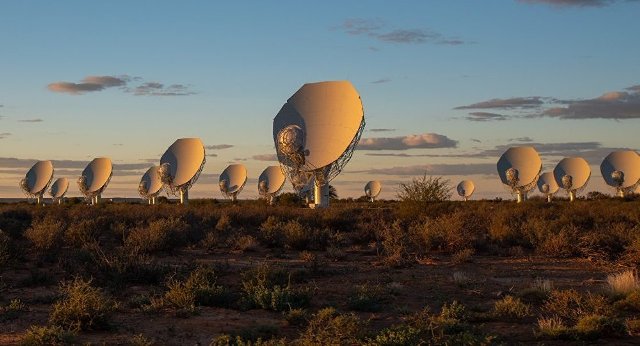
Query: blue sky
232, 66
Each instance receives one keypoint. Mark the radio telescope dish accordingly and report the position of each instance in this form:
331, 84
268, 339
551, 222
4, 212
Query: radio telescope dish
519, 168
270, 182
315, 133
180, 166
372, 189
95, 178
621, 170
37, 180
465, 189
150, 184
572, 174
59, 189
547, 185
232, 180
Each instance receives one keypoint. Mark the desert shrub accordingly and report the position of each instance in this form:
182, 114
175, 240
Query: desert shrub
224, 223
229, 340
425, 189
328, 327
15, 221
6, 249
570, 305
120, 267
159, 235
85, 231
367, 297
395, 241
82, 307
198, 289
296, 317
630, 302
463, 256
245, 243
140, 340
623, 283
563, 244
292, 234
46, 235
553, 327
596, 326
511, 307
537, 292
47, 335
12, 310
271, 232
271, 289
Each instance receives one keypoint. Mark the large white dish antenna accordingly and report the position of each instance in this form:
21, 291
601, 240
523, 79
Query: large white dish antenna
621, 170
372, 189
232, 180
270, 182
572, 174
95, 178
150, 184
547, 185
37, 180
59, 189
465, 189
519, 168
316, 132
180, 166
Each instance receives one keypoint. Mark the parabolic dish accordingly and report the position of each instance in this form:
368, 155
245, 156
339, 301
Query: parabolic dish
185, 158
59, 187
523, 159
273, 179
548, 180
372, 189
235, 177
97, 174
39, 177
151, 181
328, 116
575, 167
465, 188
627, 162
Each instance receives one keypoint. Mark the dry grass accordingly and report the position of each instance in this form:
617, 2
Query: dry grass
623, 283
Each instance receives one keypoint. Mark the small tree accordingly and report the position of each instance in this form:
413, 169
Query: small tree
425, 189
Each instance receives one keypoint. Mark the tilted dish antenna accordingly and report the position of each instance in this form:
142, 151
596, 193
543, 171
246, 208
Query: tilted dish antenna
621, 170
95, 179
37, 179
315, 134
519, 168
59, 189
232, 180
547, 185
465, 189
270, 182
180, 166
372, 189
150, 184
572, 174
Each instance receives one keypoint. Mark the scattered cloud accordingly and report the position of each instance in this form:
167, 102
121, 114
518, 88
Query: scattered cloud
11, 162
615, 105
4, 135
218, 146
486, 116
124, 83
212, 155
572, 3
376, 29
510, 103
117, 144
475, 140
265, 157
436, 169
35, 120
425, 140
521, 139
382, 130
381, 81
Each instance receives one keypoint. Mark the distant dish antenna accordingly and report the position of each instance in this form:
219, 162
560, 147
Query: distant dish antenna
465, 189
180, 166
547, 185
572, 174
372, 189
621, 170
270, 182
59, 189
95, 178
150, 184
37, 180
519, 168
232, 180
315, 134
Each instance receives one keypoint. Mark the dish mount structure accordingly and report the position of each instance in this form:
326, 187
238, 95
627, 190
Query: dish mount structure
372, 189
150, 185
181, 165
572, 174
270, 183
519, 169
37, 180
465, 189
315, 133
547, 185
621, 170
95, 178
59, 189
232, 181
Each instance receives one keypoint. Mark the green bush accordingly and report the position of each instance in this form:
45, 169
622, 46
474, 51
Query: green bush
199, 289
159, 235
82, 307
511, 307
46, 235
47, 336
271, 289
328, 327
